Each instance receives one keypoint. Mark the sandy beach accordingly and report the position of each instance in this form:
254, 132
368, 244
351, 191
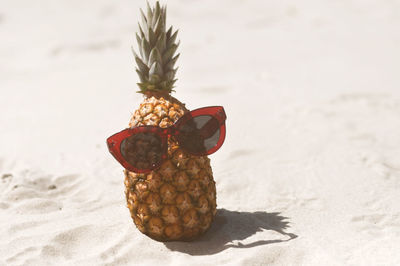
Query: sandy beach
309, 173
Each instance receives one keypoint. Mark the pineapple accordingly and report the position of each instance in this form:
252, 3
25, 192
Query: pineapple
177, 201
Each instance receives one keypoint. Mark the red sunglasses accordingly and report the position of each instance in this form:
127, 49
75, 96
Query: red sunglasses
142, 149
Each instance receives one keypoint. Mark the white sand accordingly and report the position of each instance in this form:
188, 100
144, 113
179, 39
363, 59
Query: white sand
310, 170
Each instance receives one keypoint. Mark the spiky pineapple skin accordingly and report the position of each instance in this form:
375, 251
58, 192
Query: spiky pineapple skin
178, 200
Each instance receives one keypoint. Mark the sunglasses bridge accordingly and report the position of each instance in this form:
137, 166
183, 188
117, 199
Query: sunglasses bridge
170, 131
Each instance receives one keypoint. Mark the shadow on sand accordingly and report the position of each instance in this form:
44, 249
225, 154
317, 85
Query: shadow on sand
229, 227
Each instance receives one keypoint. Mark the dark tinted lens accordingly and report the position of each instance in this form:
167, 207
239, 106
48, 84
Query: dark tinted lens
199, 134
142, 150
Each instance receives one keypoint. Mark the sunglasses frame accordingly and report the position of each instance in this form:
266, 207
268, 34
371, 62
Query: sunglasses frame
114, 142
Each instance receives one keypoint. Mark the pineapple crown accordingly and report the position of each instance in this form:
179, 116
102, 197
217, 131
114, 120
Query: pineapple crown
157, 47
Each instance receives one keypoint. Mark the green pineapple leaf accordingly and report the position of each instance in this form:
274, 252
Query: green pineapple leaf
157, 48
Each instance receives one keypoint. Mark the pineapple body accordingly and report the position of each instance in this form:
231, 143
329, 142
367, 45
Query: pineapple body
177, 201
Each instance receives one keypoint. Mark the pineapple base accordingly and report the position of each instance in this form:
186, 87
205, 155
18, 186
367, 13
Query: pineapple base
174, 207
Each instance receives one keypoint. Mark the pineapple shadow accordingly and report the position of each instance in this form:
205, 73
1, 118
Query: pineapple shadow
231, 227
